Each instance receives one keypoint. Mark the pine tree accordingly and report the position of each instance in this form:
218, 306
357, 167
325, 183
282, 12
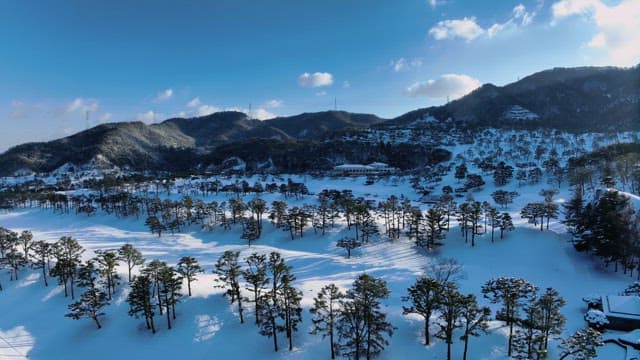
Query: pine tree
348, 243
574, 214
67, 252
93, 299
15, 260
461, 172
475, 320
505, 223
451, 306
228, 270
26, 242
152, 270
140, 300
527, 340
258, 207
581, 346
42, 251
551, 320
326, 309
188, 267
273, 300
155, 226
502, 174
108, 261
510, 292
550, 211
435, 225
494, 220
503, 197
256, 275
362, 326
534, 212
292, 311
131, 256
424, 298
250, 230
611, 228
170, 285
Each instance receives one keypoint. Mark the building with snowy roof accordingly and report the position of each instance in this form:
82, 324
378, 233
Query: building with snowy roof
622, 311
375, 168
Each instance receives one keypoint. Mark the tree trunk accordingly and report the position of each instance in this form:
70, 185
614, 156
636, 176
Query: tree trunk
168, 317
240, 310
95, 318
426, 331
510, 337
153, 327
71, 286
275, 333
333, 355
44, 274
466, 346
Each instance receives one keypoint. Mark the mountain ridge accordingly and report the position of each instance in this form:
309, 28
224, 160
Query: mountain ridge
571, 99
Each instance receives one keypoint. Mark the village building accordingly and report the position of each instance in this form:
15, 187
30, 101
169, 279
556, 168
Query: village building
375, 168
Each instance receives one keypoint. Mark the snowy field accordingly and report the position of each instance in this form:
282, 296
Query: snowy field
32, 323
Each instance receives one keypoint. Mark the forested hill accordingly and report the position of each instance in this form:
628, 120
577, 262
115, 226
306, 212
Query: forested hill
573, 99
138, 146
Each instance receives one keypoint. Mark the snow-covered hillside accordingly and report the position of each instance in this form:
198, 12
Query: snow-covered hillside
32, 323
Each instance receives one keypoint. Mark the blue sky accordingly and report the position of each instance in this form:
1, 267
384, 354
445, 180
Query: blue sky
151, 60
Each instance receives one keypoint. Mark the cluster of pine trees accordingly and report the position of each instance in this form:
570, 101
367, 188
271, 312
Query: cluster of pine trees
353, 320
607, 227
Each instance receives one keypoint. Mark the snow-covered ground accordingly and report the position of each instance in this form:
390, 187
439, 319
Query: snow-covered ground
32, 323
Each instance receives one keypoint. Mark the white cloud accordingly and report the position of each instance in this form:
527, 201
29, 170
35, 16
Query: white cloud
520, 13
204, 110
20, 110
164, 95
82, 105
403, 64
262, 114
448, 85
566, 8
466, 28
148, 117
274, 104
195, 102
321, 93
434, 3
346, 85
259, 113
316, 79
618, 26
197, 108
104, 118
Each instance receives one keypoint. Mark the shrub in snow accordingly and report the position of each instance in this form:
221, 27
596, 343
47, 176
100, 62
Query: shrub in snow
594, 301
633, 289
596, 319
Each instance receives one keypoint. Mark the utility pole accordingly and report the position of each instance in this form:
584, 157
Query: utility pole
86, 120
335, 104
